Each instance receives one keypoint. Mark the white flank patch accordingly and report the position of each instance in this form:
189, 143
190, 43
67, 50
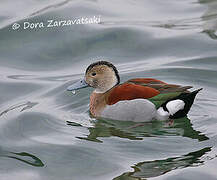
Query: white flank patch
175, 105
161, 114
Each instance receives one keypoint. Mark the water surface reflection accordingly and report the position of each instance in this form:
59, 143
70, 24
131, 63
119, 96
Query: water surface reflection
156, 168
137, 131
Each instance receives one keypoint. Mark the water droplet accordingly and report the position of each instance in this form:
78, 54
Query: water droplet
73, 92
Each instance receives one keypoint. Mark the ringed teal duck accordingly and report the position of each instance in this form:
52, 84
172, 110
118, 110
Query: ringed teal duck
139, 99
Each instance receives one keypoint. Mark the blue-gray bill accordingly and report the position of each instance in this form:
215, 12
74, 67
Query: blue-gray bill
78, 85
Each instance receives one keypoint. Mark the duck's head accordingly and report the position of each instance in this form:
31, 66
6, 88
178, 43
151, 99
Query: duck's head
101, 75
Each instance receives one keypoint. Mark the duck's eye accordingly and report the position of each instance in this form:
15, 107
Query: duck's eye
93, 74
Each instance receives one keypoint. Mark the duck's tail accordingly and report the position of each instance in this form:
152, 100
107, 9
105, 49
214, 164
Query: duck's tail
179, 106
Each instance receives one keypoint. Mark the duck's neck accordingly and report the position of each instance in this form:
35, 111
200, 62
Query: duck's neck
97, 103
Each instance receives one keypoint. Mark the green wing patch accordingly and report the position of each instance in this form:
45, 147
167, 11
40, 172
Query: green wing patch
161, 98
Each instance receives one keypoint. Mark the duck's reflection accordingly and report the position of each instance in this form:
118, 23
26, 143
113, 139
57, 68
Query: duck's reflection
156, 168
137, 131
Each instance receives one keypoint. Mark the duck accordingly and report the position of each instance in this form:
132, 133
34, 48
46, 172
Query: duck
138, 99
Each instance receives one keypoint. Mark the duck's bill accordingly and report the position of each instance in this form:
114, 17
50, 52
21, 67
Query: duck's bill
78, 85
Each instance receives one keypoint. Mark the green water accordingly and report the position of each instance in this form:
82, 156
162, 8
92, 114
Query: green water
46, 132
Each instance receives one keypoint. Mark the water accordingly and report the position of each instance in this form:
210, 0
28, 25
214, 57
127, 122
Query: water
46, 132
